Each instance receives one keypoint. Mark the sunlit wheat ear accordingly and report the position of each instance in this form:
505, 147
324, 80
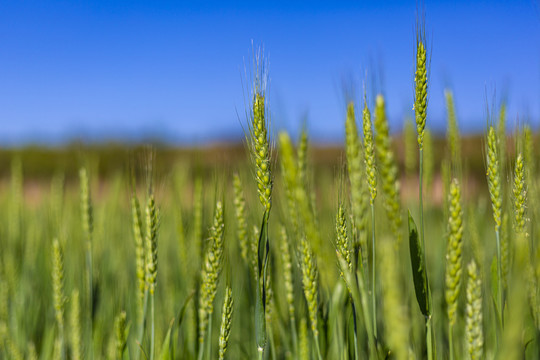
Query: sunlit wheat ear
120, 335
394, 310
58, 288
473, 317
359, 191
140, 254
454, 251
75, 326
241, 223
226, 319
212, 265
260, 149
152, 225
369, 153
520, 196
387, 168
342, 239
420, 93
494, 176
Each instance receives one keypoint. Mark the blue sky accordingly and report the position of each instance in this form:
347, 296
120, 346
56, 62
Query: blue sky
136, 69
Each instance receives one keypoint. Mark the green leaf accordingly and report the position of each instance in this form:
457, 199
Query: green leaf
166, 351
421, 285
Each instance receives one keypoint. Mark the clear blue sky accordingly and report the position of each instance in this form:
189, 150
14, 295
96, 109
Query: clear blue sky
131, 69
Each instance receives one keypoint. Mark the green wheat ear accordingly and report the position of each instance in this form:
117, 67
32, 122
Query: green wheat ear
420, 93
342, 239
139, 252
359, 196
226, 319
494, 176
241, 223
369, 153
212, 265
454, 251
387, 168
260, 150
310, 283
473, 316
121, 335
152, 225
520, 196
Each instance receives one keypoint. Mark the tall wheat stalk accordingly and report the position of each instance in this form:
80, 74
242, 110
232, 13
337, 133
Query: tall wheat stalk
371, 178
420, 112
495, 192
260, 153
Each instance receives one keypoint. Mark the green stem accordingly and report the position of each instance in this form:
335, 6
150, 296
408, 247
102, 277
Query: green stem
294, 336
499, 276
356, 356
429, 328
451, 341
272, 345
429, 338
142, 325
420, 199
152, 338
373, 284
260, 352
209, 338
317, 347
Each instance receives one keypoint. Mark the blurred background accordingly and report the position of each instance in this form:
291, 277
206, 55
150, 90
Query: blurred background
76, 73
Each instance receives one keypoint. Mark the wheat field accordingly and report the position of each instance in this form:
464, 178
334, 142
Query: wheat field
393, 249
